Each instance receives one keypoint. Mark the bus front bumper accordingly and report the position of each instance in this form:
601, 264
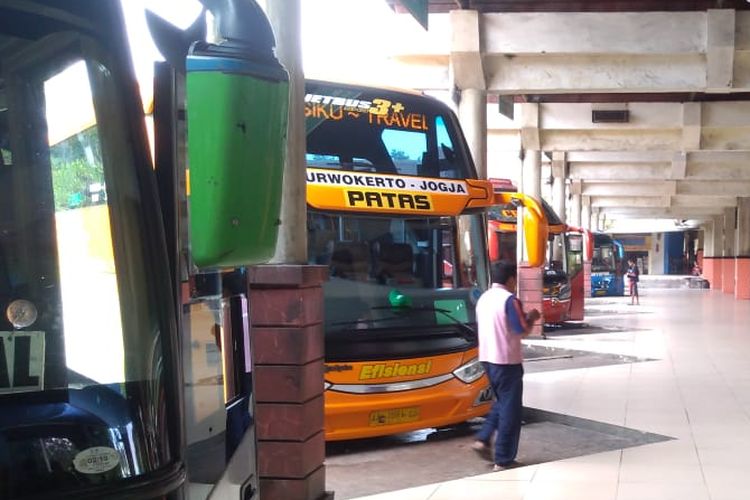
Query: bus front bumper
356, 416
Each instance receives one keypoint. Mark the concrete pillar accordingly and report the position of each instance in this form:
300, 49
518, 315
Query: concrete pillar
728, 262
575, 210
742, 268
291, 246
586, 212
286, 312
532, 173
712, 258
472, 113
530, 286
575, 200
594, 219
558, 184
286, 309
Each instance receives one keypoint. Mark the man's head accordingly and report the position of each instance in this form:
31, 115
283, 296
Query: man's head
504, 273
631, 261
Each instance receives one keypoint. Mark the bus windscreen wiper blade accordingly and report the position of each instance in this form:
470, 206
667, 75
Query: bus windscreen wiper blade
467, 332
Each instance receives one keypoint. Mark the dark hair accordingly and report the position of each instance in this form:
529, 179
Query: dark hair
502, 271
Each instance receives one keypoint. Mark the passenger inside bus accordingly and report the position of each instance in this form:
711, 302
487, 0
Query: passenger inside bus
395, 264
350, 260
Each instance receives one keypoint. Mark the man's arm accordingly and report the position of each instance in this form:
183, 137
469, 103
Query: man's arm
520, 322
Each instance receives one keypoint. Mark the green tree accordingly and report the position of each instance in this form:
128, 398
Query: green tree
76, 165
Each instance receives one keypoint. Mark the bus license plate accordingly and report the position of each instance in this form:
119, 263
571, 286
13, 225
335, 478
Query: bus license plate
395, 416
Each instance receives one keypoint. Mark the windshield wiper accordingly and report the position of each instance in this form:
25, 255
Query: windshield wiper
467, 332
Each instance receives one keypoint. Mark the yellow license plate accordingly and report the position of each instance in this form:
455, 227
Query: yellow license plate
395, 416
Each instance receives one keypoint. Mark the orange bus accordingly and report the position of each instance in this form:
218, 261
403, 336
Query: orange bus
395, 210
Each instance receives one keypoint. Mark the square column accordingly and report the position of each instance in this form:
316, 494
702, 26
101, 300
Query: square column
472, 113
558, 184
728, 262
531, 176
575, 203
742, 267
286, 314
712, 269
586, 213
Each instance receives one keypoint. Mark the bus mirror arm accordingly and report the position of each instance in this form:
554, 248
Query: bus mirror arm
535, 224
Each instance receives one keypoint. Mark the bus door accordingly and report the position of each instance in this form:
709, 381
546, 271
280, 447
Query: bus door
575, 258
619, 281
89, 404
556, 283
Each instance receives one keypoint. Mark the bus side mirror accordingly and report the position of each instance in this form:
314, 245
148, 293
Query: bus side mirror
237, 103
535, 232
535, 226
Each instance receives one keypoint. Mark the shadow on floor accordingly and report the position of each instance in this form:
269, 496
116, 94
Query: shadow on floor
370, 466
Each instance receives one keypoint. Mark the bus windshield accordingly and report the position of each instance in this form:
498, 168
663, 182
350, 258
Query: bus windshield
375, 130
408, 258
390, 272
604, 260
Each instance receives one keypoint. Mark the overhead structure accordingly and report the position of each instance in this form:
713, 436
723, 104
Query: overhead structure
647, 101
636, 109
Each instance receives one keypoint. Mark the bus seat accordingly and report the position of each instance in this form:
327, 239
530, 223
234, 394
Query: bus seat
396, 261
350, 260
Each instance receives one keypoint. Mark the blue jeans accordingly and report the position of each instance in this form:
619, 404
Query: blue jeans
505, 416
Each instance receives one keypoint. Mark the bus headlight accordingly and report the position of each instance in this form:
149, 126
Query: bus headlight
471, 371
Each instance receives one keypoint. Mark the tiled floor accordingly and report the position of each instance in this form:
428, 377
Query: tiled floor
698, 392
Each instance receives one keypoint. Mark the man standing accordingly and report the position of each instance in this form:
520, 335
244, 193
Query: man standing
502, 324
633, 278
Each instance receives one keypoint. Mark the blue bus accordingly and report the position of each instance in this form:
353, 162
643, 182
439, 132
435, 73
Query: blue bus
607, 267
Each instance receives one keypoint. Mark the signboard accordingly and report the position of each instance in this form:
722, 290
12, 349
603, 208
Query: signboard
352, 191
21, 362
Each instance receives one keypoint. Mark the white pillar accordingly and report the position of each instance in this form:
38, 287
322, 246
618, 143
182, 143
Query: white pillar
575, 210
742, 268
558, 184
532, 173
743, 227
594, 222
291, 246
586, 212
472, 113
709, 228
730, 232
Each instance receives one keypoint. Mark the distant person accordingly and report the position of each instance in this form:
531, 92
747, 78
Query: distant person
502, 324
633, 275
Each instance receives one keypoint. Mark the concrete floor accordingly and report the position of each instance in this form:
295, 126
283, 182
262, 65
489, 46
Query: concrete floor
697, 391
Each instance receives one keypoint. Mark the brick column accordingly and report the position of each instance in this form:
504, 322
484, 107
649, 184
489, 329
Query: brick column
742, 270
727, 274
286, 314
712, 271
530, 292
587, 278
